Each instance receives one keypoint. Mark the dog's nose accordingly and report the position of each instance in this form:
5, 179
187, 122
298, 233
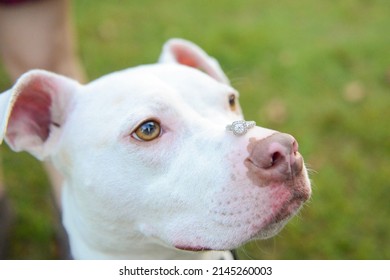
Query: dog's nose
274, 158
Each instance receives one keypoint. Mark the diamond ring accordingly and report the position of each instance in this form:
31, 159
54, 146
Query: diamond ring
240, 127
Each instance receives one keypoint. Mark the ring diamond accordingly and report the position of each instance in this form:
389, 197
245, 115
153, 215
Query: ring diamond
240, 127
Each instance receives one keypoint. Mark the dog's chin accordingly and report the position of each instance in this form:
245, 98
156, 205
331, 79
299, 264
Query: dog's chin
276, 222
268, 231
265, 233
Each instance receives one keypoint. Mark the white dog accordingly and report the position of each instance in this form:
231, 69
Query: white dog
157, 160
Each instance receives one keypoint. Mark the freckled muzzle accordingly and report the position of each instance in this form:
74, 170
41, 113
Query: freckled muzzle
240, 127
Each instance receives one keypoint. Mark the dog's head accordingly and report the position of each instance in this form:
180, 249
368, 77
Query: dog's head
146, 155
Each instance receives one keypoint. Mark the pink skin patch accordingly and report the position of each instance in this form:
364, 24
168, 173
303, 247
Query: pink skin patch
285, 204
192, 59
31, 112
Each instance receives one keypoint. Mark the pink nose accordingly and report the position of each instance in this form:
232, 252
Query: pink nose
274, 158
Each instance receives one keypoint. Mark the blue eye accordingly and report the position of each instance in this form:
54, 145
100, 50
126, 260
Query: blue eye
147, 131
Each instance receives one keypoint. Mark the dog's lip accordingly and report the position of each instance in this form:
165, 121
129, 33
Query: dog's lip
277, 220
192, 249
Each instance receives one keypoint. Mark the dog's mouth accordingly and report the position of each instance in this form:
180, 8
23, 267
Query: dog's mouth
193, 249
276, 221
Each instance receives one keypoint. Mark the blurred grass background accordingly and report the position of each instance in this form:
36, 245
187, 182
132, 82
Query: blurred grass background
319, 70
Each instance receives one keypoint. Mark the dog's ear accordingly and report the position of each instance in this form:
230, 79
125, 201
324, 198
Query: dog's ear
33, 111
187, 53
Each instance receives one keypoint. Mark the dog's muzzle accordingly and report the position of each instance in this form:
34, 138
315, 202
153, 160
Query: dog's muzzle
240, 127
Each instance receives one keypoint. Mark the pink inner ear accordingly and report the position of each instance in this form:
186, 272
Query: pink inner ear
186, 57
189, 57
31, 112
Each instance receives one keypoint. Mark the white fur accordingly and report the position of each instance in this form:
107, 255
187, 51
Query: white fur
126, 199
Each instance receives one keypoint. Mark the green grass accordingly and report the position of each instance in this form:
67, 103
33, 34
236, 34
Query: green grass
319, 70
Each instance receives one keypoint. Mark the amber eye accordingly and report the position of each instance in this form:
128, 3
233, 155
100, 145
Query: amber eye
147, 131
232, 102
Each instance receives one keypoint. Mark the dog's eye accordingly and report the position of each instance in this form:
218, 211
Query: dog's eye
232, 102
147, 131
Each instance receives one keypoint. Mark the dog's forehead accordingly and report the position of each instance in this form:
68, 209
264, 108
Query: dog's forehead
143, 84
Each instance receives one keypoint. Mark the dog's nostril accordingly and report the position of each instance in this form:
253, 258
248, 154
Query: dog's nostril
295, 147
276, 157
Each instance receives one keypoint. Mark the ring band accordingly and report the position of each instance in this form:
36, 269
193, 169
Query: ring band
240, 127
